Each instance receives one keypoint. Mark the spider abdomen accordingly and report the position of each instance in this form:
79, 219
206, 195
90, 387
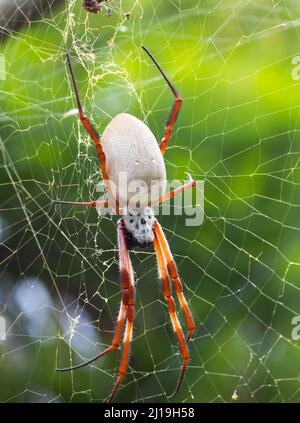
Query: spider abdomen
134, 161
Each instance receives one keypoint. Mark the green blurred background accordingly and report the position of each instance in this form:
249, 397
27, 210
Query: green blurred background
235, 65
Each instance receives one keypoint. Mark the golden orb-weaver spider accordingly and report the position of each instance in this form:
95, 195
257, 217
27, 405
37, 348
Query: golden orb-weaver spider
128, 145
94, 6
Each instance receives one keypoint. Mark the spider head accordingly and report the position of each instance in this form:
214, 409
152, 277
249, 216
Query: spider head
138, 224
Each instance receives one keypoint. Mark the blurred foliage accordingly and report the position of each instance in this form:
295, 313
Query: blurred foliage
238, 131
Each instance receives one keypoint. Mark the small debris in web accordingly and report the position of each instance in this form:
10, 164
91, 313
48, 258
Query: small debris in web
235, 396
71, 112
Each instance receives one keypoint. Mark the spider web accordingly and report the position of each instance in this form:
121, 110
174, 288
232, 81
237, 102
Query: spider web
232, 61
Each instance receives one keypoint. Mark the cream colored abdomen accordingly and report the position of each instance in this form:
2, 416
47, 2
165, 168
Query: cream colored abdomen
133, 159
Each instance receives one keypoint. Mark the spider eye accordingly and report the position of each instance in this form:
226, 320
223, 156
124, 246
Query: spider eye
143, 221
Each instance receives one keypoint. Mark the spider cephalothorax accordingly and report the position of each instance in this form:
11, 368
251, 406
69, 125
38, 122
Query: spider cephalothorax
139, 227
129, 148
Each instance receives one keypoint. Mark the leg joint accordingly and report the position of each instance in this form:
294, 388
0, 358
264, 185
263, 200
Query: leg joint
127, 297
172, 269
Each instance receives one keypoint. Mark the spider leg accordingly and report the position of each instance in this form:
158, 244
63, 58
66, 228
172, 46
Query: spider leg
87, 124
125, 352
175, 109
127, 285
176, 191
95, 204
83, 203
171, 265
168, 297
92, 131
115, 343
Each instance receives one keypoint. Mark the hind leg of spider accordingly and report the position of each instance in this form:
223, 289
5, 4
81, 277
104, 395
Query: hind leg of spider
87, 124
175, 109
168, 297
171, 265
128, 299
93, 134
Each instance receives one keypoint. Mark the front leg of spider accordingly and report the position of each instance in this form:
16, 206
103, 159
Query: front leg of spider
127, 287
159, 247
126, 312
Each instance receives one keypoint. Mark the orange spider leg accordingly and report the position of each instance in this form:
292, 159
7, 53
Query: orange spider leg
168, 297
125, 353
92, 132
175, 109
127, 306
96, 203
176, 191
127, 284
115, 343
171, 265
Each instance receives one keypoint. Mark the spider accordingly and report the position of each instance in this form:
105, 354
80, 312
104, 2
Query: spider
128, 145
94, 6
